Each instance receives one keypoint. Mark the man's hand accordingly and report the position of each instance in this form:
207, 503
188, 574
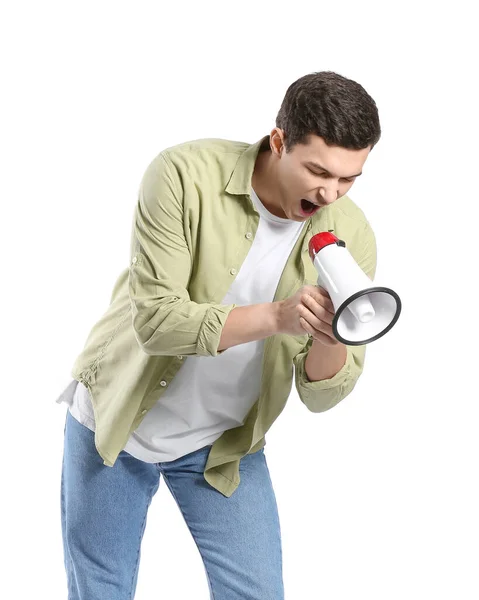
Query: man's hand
317, 319
309, 310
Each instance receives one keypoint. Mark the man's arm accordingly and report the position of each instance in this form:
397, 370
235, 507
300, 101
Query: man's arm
165, 320
249, 323
323, 362
339, 381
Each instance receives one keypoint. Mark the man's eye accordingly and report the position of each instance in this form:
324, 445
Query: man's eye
317, 174
326, 175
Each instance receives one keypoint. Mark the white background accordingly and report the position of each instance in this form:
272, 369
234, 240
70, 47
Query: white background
378, 496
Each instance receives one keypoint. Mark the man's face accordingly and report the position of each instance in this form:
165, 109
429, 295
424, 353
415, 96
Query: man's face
313, 174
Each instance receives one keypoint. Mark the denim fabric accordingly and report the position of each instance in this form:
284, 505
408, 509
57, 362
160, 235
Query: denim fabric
104, 512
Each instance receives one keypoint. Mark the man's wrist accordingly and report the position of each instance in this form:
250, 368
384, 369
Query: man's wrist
275, 316
249, 323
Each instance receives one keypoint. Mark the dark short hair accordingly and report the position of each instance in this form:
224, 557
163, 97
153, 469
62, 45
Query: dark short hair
331, 106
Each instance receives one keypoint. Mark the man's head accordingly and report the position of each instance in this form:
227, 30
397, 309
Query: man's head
325, 129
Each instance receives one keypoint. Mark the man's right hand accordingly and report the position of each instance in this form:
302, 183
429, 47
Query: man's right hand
311, 304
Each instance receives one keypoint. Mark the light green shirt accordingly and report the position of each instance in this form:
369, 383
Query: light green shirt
193, 226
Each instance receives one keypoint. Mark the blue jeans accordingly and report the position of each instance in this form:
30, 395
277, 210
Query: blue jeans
104, 509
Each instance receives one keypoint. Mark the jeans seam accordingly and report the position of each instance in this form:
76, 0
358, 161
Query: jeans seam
192, 534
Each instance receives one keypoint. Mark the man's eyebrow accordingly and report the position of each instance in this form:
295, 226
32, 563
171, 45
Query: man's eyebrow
314, 164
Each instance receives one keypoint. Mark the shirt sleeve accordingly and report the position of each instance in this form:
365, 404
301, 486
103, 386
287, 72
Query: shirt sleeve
322, 395
165, 320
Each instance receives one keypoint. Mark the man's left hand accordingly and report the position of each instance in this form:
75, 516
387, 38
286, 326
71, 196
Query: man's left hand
317, 316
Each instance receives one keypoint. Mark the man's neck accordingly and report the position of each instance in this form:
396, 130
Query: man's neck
263, 183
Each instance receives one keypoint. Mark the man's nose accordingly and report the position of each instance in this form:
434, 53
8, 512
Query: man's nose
328, 194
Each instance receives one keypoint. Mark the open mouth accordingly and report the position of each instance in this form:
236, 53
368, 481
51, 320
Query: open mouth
308, 207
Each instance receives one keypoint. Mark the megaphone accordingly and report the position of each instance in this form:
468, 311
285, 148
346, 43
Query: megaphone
363, 312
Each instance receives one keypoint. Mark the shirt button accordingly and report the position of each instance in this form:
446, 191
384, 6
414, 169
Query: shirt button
162, 383
249, 235
233, 271
134, 259
180, 357
144, 411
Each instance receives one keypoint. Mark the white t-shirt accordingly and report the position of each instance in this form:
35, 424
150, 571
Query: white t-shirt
210, 394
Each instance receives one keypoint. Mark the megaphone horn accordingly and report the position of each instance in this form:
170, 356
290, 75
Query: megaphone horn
363, 313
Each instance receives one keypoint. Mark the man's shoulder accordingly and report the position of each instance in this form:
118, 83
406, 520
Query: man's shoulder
346, 209
204, 147
347, 220
204, 165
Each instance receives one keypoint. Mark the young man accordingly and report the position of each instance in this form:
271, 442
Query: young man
192, 362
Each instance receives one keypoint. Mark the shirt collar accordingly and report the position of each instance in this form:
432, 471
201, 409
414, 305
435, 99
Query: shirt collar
240, 180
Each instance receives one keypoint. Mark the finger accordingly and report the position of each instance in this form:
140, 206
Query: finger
321, 312
317, 336
328, 304
317, 325
323, 298
307, 313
